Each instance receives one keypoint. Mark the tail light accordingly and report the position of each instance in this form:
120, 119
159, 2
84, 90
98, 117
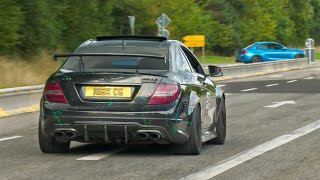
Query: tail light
165, 94
53, 93
244, 52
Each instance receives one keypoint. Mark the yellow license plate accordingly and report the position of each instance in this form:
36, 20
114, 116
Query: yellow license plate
122, 92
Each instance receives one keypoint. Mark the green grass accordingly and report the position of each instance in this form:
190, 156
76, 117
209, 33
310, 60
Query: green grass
219, 60
317, 56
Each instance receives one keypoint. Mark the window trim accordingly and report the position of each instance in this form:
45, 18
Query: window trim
194, 59
182, 52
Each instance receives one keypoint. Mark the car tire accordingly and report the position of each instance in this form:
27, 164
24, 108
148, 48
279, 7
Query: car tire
221, 128
256, 59
194, 144
51, 145
299, 56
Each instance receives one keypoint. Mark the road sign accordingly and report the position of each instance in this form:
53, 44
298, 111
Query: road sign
197, 38
194, 44
309, 43
194, 40
163, 20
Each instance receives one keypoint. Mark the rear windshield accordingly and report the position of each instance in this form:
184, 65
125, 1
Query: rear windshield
114, 64
249, 47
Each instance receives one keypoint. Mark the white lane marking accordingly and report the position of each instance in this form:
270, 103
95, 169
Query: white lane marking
278, 104
276, 76
98, 156
318, 69
227, 94
221, 85
8, 138
242, 157
292, 81
269, 85
309, 78
246, 90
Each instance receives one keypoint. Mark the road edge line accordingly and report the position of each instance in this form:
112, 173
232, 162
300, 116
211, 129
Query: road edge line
244, 156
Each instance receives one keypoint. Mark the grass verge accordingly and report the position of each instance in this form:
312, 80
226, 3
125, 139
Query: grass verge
219, 60
17, 72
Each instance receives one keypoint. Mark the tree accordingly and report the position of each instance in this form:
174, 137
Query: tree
11, 19
39, 30
301, 13
86, 20
315, 23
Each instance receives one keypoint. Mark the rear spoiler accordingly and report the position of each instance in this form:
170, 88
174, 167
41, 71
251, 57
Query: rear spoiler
56, 55
139, 38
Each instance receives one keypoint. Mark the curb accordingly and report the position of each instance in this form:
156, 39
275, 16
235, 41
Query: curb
30, 109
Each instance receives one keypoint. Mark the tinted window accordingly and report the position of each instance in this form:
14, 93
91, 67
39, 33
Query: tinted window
262, 46
107, 63
193, 61
277, 46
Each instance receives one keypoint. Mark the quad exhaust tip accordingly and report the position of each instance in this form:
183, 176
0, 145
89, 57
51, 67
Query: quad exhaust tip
150, 135
143, 135
65, 136
154, 136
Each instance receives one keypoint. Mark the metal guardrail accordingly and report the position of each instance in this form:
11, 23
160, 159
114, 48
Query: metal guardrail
21, 89
255, 69
229, 71
274, 66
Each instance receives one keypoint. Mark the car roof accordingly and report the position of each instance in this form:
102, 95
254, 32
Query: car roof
150, 45
266, 42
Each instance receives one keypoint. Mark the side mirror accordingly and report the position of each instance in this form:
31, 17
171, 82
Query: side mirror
215, 71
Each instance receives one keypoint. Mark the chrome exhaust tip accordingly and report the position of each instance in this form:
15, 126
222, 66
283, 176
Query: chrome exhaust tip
154, 136
142, 135
70, 134
59, 136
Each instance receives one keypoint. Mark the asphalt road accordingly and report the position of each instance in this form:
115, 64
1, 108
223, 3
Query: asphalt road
263, 115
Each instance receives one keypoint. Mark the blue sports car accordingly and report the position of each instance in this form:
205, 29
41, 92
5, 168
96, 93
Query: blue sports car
267, 51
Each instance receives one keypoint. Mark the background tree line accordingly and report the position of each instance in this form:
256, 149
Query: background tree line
30, 27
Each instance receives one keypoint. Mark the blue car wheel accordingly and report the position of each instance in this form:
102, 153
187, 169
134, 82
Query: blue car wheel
255, 59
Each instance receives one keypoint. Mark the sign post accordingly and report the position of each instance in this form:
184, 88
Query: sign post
131, 22
163, 21
196, 41
310, 50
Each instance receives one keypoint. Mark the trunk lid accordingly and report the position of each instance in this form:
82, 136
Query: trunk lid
108, 91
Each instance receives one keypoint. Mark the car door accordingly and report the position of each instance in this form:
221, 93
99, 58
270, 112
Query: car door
273, 54
284, 53
277, 52
263, 51
208, 96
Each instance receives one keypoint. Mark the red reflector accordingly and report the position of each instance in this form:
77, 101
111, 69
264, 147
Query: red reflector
53, 93
165, 94
244, 52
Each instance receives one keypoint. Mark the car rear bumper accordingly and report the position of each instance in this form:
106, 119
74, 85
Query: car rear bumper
244, 58
114, 126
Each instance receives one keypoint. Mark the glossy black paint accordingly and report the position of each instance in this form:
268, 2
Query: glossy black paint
121, 119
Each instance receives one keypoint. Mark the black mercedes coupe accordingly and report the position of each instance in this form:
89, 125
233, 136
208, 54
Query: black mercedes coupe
132, 89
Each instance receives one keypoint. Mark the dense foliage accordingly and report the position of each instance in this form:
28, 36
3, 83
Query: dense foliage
29, 27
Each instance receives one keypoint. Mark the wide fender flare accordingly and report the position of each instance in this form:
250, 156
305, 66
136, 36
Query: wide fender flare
220, 95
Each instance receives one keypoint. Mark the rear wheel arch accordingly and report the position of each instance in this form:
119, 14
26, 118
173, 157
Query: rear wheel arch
194, 144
